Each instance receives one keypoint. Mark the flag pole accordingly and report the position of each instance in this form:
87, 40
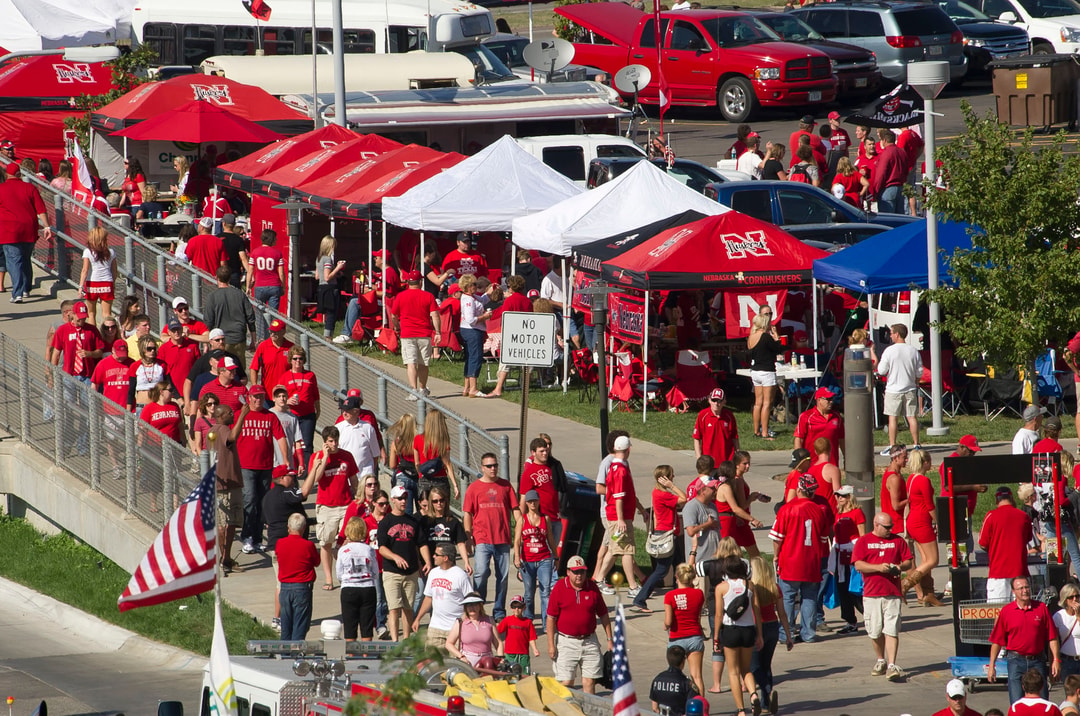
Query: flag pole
659, 36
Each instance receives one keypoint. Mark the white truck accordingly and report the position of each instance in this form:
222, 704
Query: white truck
1053, 25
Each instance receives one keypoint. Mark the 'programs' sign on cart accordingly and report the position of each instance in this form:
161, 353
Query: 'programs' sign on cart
528, 339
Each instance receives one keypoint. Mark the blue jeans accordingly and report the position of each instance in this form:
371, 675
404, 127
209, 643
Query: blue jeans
486, 554
761, 661
808, 591
540, 573
352, 315
271, 296
419, 598
1017, 666
256, 484
473, 341
295, 610
382, 611
18, 267
307, 431
1068, 667
663, 564
412, 489
892, 200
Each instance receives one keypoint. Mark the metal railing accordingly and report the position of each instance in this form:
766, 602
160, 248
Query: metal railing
155, 276
109, 449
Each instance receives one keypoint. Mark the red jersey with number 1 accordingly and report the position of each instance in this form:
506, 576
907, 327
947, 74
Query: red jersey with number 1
803, 534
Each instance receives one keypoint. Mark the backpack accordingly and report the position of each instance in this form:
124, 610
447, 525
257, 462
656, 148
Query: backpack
798, 173
738, 606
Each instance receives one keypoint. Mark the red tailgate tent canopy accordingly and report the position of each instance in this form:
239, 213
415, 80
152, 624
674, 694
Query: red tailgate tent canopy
366, 201
241, 174
279, 184
37, 93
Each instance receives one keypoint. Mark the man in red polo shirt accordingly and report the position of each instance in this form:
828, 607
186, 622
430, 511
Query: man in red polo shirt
416, 319
800, 538
715, 431
574, 607
227, 388
822, 421
271, 357
881, 557
537, 475
1005, 532
256, 431
179, 353
79, 345
1024, 629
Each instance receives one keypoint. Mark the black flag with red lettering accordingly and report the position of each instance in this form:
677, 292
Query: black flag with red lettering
258, 9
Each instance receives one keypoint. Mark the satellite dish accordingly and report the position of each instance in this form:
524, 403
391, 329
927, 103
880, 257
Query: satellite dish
548, 55
632, 78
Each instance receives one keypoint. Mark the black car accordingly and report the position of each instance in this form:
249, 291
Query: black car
834, 236
985, 39
693, 174
855, 67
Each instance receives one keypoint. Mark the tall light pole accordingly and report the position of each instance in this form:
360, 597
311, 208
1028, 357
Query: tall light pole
928, 79
294, 207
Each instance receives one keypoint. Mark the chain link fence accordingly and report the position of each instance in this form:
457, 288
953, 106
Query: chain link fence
148, 271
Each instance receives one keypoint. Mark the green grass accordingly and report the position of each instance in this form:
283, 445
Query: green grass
71, 572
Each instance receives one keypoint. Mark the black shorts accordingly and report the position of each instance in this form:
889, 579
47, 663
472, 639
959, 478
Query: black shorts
738, 637
358, 611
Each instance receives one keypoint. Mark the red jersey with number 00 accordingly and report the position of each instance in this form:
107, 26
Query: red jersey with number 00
264, 263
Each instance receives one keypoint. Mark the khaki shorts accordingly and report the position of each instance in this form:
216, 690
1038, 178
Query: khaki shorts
230, 507
436, 637
574, 653
901, 404
882, 616
416, 350
400, 590
328, 524
621, 546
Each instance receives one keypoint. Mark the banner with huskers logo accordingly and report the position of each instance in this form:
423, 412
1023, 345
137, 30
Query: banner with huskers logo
626, 318
741, 307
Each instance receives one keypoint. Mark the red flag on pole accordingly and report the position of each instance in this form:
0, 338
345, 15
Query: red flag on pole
258, 9
665, 95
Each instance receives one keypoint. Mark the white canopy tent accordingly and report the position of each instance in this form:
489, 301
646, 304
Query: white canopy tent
50, 24
642, 195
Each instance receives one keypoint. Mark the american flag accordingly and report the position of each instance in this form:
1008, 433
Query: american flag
622, 694
183, 559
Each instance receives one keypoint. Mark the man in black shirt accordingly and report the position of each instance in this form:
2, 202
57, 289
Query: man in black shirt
671, 689
404, 549
283, 499
235, 249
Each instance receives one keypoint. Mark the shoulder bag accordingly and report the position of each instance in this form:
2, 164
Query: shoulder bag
660, 545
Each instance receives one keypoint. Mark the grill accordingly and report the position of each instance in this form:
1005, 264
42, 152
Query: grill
1006, 46
808, 68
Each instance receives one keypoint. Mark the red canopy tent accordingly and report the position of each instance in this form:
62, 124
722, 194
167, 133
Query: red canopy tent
366, 201
37, 94
242, 173
279, 184
153, 98
199, 121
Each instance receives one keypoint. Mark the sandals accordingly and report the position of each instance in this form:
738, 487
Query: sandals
328, 587
755, 704
641, 610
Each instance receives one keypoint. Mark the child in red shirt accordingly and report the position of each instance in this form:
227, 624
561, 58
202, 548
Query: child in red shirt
519, 635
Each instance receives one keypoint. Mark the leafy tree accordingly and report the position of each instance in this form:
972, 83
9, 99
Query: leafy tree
1019, 285
128, 72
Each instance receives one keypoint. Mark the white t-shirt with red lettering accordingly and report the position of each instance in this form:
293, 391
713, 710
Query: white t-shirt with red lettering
447, 588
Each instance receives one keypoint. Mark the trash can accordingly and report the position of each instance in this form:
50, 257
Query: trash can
1036, 90
583, 532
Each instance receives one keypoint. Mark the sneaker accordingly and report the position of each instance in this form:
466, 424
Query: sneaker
633, 592
847, 629
411, 397
16, 299
384, 635
879, 668
894, 673
425, 392
914, 447
260, 547
343, 340
275, 624
823, 628
604, 587
885, 452
249, 547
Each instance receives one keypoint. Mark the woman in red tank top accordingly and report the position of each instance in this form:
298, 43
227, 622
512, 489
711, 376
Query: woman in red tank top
894, 497
921, 528
534, 545
733, 506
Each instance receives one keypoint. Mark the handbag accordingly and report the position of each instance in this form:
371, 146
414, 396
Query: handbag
829, 598
855, 582
659, 544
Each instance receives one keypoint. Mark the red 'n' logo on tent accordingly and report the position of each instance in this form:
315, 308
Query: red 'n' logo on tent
753, 243
68, 74
218, 94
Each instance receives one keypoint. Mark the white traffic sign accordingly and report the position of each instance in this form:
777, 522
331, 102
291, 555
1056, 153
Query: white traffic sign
528, 339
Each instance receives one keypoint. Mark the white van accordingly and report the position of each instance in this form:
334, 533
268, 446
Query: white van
570, 154
888, 309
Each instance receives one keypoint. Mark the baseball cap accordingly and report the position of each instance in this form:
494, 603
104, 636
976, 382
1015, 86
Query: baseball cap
808, 483
381, 253
256, 390
217, 354
228, 363
12, 168
834, 115
533, 293
716, 394
955, 688
452, 289
120, 348
7, 144
753, 134
845, 490
576, 564
807, 119
283, 470
80, 310
351, 404
622, 442
229, 219
179, 301
1003, 492
355, 393
801, 336
517, 599
824, 392
216, 333
279, 389
413, 276
532, 495
797, 456
473, 598
398, 491
714, 483
277, 325
971, 443
174, 324
1033, 411
1052, 423
206, 222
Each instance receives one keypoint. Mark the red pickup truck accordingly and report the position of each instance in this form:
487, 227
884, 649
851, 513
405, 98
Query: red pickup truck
710, 57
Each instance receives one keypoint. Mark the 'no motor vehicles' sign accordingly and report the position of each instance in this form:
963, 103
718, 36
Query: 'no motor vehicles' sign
528, 339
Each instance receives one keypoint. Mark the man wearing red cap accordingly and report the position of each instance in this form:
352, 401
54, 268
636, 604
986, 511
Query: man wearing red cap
271, 357
839, 138
256, 432
969, 445
715, 431
226, 387
416, 319
110, 378
23, 217
822, 421
79, 344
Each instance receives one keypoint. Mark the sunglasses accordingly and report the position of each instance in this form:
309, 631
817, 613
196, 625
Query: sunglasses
489, 467
382, 504
438, 502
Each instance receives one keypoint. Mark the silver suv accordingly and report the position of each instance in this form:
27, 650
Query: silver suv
898, 33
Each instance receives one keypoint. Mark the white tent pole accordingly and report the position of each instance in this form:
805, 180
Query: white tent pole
645, 363
333, 227
610, 367
813, 299
423, 267
513, 259
386, 265
370, 249
566, 326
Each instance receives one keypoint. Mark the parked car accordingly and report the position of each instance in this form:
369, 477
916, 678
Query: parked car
986, 39
855, 67
508, 49
723, 58
787, 204
1052, 25
896, 32
693, 174
836, 235
570, 154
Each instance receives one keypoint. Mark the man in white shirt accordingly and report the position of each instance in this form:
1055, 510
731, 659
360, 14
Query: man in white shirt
358, 437
445, 588
1028, 434
902, 366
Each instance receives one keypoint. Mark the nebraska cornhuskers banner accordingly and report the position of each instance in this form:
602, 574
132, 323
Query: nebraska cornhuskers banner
626, 318
740, 307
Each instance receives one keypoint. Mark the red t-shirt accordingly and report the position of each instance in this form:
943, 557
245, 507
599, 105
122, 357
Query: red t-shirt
179, 359
263, 262
717, 434
686, 603
1005, 532
194, 328
205, 252
517, 633
515, 303
538, 477
393, 282
490, 504
303, 385
793, 143
1025, 631
413, 308
665, 509
165, 418
813, 425
575, 611
462, 264
620, 486
334, 486
846, 528
68, 338
270, 362
886, 500
881, 550
803, 534
1046, 445
852, 187
112, 375
232, 394
255, 444
297, 559
20, 205
1034, 707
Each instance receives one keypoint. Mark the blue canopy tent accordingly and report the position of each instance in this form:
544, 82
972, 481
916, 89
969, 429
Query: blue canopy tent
894, 260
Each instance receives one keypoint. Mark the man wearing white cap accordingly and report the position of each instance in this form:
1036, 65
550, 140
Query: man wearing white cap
957, 696
227, 388
204, 250
573, 610
618, 519
715, 432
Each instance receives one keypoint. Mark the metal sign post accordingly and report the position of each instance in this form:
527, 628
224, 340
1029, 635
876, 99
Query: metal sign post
528, 340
